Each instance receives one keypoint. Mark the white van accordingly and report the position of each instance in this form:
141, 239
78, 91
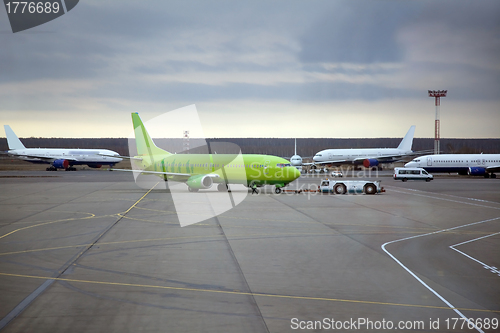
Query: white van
412, 173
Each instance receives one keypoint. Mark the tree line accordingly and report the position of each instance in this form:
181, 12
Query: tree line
270, 146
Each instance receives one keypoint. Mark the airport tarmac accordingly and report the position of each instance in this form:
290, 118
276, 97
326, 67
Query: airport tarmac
91, 251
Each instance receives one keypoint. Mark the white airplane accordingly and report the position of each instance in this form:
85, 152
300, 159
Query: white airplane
296, 160
369, 157
60, 158
464, 164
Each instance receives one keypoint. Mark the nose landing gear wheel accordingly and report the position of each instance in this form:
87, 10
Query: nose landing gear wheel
277, 190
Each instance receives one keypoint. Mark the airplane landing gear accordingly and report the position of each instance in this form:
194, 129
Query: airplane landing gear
253, 187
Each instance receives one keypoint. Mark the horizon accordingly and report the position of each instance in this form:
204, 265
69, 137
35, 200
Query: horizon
281, 138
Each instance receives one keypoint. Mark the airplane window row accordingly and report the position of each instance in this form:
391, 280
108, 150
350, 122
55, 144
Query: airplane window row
217, 165
455, 161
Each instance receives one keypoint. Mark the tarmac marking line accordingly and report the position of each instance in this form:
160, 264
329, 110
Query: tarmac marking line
235, 237
457, 310
493, 269
444, 199
243, 293
45, 223
49, 280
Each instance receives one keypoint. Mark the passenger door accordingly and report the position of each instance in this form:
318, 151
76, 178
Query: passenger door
266, 167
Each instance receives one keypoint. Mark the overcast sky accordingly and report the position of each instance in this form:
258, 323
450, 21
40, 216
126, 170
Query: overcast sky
307, 68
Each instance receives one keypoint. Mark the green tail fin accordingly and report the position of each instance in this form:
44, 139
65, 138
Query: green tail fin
145, 146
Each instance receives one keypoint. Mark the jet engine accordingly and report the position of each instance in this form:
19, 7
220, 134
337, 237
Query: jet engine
94, 165
61, 164
200, 182
476, 171
370, 162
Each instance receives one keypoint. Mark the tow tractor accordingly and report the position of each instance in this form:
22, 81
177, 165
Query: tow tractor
350, 186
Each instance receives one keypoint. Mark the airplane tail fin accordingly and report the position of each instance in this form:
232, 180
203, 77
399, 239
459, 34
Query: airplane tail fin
407, 141
145, 145
12, 139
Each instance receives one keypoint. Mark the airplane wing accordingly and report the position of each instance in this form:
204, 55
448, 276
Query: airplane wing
493, 168
326, 162
423, 152
179, 176
154, 172
383, 159
45, 158
120, 156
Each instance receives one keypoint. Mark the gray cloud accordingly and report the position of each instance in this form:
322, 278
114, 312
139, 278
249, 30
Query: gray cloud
357, 32
126, 53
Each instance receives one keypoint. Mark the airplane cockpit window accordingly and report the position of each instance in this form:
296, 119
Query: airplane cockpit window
282, 165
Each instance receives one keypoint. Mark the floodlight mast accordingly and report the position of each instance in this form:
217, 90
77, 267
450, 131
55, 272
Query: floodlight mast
437, 94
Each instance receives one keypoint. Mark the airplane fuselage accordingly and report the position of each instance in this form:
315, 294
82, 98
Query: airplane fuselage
246, 169
91, 157
475, 164
357, 156
369, 157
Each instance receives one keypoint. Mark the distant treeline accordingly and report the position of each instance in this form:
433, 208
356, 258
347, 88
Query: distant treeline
271, 146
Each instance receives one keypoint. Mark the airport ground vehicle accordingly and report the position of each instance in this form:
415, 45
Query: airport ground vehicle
412, 173
337, 173
350, 186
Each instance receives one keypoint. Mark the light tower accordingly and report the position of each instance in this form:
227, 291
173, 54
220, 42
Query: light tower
437, 94
185, 141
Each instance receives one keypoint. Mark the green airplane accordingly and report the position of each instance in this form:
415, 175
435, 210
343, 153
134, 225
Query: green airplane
201, 171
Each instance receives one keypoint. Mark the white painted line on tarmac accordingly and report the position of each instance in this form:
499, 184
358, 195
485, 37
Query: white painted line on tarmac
454, 196
444, 199
420, 280
492, 269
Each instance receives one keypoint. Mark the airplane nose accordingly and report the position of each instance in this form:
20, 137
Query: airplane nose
297, 173
291, 173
